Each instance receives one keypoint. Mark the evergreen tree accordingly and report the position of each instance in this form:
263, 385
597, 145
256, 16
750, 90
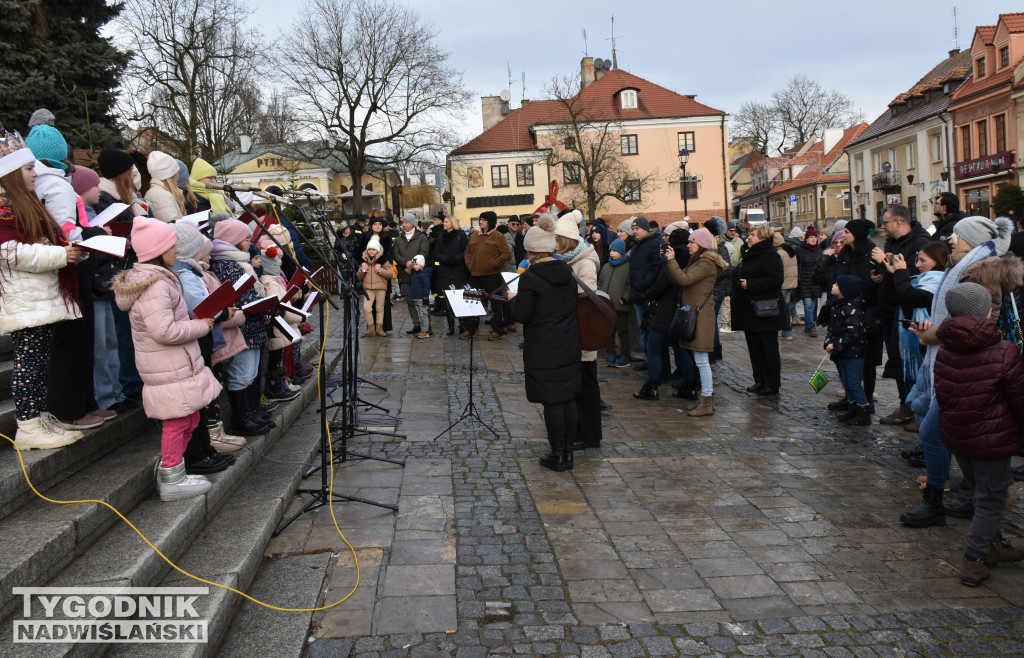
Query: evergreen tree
52, 55
1009, 198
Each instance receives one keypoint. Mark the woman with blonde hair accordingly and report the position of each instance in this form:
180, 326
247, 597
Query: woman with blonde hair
451, 259
757, 283
166, 201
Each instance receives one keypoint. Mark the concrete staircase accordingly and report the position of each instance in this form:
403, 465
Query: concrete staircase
220, 536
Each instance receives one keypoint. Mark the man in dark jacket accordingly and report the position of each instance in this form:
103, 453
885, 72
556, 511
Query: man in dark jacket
644, 266
486, 253
409, 243
947, 214
904, 238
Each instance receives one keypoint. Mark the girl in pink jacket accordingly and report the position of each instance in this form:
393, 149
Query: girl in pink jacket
176, 383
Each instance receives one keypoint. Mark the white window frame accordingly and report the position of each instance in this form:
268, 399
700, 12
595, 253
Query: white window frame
858, 162
911, 156
937, 147
628, 97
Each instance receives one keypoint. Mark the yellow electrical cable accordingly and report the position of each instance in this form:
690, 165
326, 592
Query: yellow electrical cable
156, 550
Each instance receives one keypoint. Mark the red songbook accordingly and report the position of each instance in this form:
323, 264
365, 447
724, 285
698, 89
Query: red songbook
288, 296
260, 305
120, 229
298, 279
226, 295
286, 329
288, 308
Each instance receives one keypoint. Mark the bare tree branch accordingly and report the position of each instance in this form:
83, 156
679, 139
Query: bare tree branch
369, 77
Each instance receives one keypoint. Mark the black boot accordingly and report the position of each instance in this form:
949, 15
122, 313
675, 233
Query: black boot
554, 459
279, 390
930, 512
648, 392
451, 327
242, 422
414, 330
687, 392
254, 405
567, 455
860, 416
964, 510
839, 405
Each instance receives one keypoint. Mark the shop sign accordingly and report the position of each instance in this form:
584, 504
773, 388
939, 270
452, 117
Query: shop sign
979, 166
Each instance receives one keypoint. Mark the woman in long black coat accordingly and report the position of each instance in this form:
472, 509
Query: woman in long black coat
759, 277
546, 306
450, 254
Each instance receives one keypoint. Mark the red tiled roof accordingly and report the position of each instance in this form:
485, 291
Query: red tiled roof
973, 86
601, 98
986, 32
1013, 22
817, 162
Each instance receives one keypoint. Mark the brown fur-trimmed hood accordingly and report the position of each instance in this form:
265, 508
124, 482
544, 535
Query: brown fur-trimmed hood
129, 285
1000, 275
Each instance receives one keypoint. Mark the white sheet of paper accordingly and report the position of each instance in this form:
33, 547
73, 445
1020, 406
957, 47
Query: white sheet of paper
108, 244
112, 211
464, 308
514, 286
198, 219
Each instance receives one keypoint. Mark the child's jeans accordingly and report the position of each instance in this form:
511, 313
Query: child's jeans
851, 371
173, 438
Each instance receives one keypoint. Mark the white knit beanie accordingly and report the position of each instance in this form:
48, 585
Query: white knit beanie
162, 166
567, 227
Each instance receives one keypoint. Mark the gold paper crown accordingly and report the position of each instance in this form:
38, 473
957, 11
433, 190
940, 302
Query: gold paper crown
10, 142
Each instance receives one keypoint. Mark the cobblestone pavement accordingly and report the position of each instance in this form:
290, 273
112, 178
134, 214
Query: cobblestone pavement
766, 529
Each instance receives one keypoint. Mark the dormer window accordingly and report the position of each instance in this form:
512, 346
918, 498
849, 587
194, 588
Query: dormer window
628, 97
980, 67
1004, 57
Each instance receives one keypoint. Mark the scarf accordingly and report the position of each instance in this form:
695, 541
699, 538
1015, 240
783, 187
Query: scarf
950, 278
615, 262
67, 276
573, 253
226, 251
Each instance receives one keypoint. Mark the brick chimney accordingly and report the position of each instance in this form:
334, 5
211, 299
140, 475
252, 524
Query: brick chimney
587, 74
490, 108
954, 52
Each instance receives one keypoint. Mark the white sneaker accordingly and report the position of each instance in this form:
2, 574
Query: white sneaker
43, 433
174, 484
222, 441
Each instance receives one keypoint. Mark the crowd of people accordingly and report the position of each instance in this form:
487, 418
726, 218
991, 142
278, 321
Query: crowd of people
96, 334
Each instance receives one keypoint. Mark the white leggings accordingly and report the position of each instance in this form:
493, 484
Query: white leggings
704, 367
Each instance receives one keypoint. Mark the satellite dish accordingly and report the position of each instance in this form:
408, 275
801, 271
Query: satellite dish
606, 64
505, 95
886, 167
504, 109
599, 64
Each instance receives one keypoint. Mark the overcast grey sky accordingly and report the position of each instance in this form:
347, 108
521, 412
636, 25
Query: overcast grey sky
725, 52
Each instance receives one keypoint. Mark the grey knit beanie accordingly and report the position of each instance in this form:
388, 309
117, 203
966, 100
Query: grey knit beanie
41, 117
190, 240
976, 231
182, 173
968, 299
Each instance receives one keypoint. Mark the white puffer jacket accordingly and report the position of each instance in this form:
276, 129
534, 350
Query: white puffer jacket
31, 293
53, 188
162, 203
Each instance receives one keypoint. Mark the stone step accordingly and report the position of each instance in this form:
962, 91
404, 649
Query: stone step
47, 468
6, 346
6, 367
120, 557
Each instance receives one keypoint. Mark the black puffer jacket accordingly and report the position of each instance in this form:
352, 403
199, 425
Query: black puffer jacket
662, 301
450, 254
846, 329
944, 225
762, 268
979, 384
546, 305
644, 265
807, 259
907, 246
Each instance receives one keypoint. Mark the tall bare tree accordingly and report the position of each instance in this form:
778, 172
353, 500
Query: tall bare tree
800, 109
369, 78
589, 143
193, 61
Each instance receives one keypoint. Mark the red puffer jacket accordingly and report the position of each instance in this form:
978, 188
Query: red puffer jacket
979, 383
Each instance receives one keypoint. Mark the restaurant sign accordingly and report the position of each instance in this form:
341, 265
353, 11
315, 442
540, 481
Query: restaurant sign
979, 166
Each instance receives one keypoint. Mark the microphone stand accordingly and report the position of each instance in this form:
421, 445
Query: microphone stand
323, 495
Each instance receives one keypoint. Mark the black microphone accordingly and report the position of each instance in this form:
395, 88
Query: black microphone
228, 187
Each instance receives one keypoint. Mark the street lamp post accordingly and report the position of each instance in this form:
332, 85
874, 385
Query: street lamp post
684, 157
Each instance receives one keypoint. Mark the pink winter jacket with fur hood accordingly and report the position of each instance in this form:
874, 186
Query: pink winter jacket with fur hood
175, 382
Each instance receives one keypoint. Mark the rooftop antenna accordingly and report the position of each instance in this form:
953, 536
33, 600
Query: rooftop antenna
585, 53
615, 59
524, 88
509, 65
956, 31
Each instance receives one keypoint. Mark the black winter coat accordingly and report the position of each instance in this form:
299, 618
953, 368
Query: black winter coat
846, 329
546, 305
662, 301
762, 268
944, 225
907, 246
979, 384
450, 254
644, 265
807, 259
909, 297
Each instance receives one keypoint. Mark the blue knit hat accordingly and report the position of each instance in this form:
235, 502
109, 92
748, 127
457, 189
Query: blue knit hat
617, 245
849, 285
182, 173
46, 143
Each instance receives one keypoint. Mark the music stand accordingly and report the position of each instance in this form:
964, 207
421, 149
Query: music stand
463, 308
